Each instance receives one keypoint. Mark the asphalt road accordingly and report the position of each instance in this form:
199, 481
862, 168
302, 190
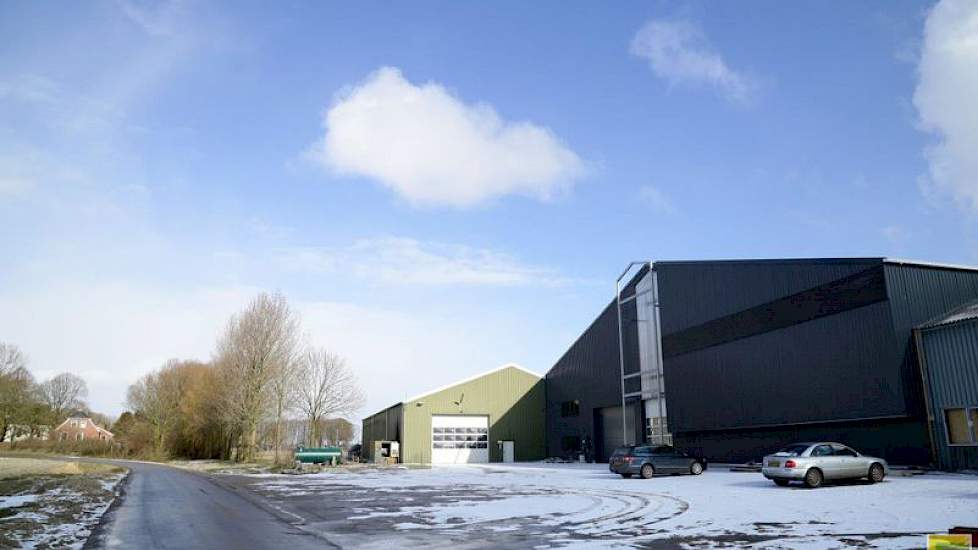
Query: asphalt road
167, 508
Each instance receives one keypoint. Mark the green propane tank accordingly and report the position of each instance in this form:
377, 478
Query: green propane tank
318, 455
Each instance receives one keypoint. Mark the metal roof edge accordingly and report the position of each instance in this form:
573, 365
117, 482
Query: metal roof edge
473, 377
775, 260
946, 318
385, 409
938, 265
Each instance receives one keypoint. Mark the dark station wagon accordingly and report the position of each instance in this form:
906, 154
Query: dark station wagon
648, 460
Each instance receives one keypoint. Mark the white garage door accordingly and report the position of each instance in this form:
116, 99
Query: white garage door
459, 439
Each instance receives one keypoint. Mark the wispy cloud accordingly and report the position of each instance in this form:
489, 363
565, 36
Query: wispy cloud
680, 52
432, 148
405, 261
945, 100
24, 169
657, 199
155, 18
31, 89
894, 234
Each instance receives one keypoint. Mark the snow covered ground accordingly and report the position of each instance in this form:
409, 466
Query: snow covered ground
583, 505
52, 504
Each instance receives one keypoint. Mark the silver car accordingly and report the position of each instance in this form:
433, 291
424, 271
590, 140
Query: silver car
815, 463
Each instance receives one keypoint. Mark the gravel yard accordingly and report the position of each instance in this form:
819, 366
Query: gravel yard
526, 505
53, 504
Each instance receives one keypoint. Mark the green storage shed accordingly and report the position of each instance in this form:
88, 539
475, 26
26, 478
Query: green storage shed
497, 416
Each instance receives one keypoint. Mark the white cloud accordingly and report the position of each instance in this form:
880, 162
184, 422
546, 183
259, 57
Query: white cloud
946, 99
659, 201
434, 149
405, 261
679, 52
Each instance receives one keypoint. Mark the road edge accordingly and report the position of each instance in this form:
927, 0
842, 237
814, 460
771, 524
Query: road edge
97, 534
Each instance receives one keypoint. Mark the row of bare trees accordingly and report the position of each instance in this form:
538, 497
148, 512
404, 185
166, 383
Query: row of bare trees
29, 408
261, 376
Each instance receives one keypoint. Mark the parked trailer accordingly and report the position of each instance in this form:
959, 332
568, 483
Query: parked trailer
318, 455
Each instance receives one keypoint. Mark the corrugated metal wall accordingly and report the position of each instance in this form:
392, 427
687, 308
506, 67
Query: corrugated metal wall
513, 399
833, 368
951, 359
691, 293
900, 438
386, 425
588, 372
824, 369
917, 295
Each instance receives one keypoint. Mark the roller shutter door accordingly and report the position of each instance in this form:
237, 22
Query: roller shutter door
459, 439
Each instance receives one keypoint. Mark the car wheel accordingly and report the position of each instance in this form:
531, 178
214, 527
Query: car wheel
876, 473
781, 482
813, 478
626, 476
696, 468
647, 471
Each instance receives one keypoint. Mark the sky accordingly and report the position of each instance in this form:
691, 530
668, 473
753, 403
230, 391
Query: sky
439, 188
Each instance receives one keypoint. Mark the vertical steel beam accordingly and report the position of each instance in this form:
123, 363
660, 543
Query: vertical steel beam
660, 379
621, 346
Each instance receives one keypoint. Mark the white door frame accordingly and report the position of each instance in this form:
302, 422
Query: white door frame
509, 446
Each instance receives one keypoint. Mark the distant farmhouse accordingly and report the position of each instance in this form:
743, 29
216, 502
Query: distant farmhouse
79, 428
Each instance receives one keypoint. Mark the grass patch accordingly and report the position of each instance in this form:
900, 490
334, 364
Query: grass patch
11, 467
52, 504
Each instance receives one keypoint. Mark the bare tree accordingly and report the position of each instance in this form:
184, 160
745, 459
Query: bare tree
11, 359
283, 388
63, 393
325, 387
156, 398
256, 346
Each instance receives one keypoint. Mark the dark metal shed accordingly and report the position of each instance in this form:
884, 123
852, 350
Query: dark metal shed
949, 361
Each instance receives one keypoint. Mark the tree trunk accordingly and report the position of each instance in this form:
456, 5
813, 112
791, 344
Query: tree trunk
278, 435
252, 445
314, 431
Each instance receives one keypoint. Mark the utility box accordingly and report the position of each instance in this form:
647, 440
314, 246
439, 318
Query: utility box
387, 452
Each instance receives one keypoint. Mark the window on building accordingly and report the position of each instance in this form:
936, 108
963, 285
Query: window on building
962, 426
657, 431
570, 408
459, 438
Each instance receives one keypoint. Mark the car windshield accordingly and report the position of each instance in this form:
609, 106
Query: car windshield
793, 450
621, 451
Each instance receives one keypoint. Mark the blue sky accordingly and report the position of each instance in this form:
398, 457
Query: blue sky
443, 187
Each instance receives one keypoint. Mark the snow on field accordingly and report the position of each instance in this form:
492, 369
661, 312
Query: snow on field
53, 504
585, 506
